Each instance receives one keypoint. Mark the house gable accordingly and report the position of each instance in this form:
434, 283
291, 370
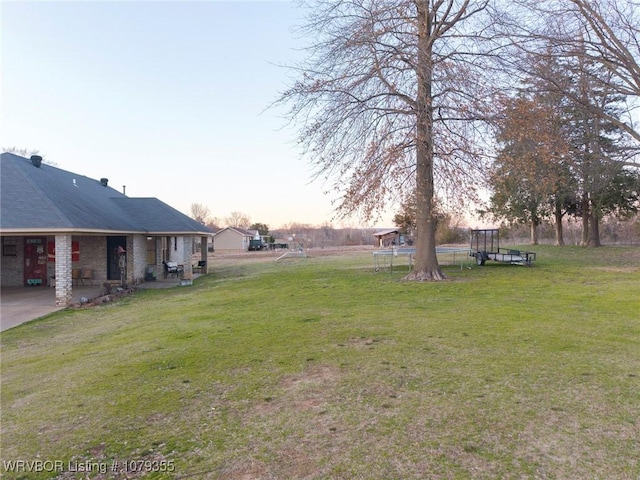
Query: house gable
232, 239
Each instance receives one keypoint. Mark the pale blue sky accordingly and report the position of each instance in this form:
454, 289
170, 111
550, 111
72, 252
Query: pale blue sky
139, 91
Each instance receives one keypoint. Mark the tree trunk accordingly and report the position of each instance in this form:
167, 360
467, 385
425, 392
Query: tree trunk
594, 231
584, 241
558, 226
533, 226
426, 262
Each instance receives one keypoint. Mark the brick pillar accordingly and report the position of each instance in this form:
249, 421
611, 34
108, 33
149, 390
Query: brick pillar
129, 270
204, 251
63, 270
184, 254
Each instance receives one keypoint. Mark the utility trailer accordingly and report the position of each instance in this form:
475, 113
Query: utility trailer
485, 245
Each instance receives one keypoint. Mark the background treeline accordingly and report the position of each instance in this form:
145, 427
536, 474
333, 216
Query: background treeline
453, 230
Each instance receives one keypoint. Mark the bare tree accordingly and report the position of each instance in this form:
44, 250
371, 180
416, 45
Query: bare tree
23, 152
385, 100
603, 33
597, 45
214, 223
612, 40
27, 152
238, 220
200, 213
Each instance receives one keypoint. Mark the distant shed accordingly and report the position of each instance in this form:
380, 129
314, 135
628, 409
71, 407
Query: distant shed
387, 237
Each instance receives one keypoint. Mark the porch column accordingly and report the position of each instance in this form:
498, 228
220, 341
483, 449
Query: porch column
204, 251
184, 253
63, 270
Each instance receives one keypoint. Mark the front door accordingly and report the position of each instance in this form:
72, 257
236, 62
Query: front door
113, 266
35, 261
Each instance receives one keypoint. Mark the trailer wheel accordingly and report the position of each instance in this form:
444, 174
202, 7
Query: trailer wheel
480, 259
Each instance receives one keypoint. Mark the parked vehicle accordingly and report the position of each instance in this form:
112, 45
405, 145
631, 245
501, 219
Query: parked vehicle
256, 245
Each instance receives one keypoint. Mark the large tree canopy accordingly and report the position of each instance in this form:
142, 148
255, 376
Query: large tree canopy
386, 104
530, 174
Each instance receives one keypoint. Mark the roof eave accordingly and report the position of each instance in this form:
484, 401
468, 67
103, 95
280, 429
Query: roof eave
180, 234
90, 231
63, 231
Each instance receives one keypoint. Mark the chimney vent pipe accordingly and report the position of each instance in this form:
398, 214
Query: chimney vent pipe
36, 160
104, 181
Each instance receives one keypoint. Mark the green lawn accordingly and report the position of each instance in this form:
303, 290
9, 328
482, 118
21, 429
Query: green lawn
322, 368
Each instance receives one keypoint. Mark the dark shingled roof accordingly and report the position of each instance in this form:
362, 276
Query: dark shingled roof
152, 215
49, 198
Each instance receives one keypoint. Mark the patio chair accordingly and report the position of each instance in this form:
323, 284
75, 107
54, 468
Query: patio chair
172, 268
75, 276
201, 267
86, 275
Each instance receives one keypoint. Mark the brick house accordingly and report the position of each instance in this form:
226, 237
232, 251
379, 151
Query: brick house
60, 228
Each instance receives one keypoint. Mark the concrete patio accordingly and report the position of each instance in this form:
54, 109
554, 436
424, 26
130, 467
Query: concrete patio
23, 304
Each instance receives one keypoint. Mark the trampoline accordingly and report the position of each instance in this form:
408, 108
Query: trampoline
387, 258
